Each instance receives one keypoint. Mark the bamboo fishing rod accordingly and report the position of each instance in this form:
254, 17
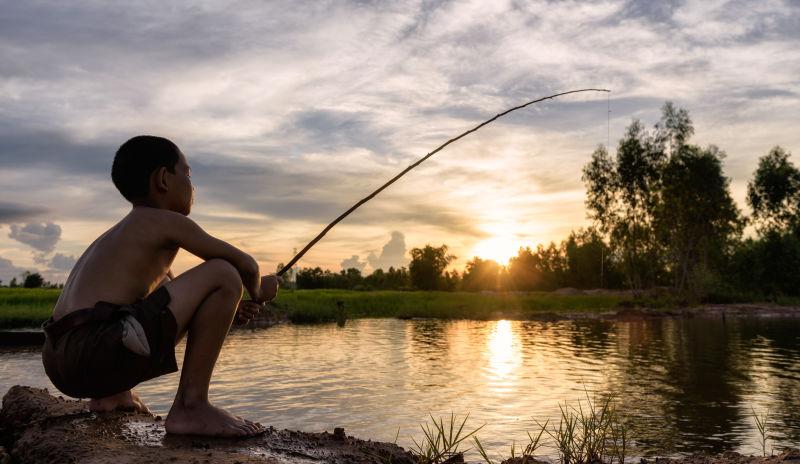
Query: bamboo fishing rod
412, 166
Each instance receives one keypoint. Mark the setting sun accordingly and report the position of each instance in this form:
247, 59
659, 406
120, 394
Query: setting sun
499, 248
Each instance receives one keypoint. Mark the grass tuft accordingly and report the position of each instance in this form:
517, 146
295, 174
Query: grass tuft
590, 432
441, 441
762, 422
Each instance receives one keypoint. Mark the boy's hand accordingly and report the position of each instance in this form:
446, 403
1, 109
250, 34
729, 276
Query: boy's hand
246, 311
269, 287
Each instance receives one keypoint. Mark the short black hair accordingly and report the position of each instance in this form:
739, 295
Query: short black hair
136, 159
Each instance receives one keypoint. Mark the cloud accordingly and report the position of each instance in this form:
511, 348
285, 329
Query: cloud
393, 253
291, 123
354, 262
40, 236
62, 262
17, 212
8, 271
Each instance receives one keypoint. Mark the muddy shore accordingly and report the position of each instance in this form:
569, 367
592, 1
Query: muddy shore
36, 427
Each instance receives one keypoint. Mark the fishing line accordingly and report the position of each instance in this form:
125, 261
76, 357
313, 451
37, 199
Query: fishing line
412, 166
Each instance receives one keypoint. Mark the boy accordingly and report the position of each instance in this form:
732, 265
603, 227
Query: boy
121, 312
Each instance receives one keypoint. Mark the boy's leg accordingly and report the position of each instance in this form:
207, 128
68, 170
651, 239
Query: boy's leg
204, 301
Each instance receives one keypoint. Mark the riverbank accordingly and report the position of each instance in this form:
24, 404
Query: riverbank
21, 308
36, 427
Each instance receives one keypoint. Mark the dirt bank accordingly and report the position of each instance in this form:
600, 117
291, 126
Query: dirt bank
786, 457
36, 427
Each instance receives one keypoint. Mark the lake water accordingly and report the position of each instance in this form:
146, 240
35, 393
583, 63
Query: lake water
687, 384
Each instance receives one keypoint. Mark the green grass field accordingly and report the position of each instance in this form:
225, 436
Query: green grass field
304, 306
20, 307
26, 307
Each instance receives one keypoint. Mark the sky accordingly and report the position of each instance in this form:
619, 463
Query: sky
289, 112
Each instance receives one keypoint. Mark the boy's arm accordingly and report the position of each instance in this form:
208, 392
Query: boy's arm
185, 233
167, 277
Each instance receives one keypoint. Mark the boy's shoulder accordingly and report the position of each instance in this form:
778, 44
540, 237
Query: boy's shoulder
159, 224
142, 213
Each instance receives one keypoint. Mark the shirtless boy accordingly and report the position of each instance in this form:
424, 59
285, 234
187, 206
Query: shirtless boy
121, 312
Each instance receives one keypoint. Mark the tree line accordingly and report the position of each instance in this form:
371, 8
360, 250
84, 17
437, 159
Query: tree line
662, 216
31, 280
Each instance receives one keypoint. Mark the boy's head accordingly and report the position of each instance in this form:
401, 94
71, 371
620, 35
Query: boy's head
152, 171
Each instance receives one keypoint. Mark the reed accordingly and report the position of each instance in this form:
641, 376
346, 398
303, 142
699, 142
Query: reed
528, 453
593, 431
762, 422
441, 441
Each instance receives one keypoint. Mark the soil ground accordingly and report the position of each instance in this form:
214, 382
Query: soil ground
36, 427
40, 428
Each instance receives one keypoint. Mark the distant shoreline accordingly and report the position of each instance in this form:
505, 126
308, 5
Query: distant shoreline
22, 308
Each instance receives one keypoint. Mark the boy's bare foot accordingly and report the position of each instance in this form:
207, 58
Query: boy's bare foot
122, 401
205, 419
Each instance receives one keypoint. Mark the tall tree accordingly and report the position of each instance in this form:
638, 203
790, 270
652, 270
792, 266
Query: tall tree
774, 193
427, 265
621, 194
696, 219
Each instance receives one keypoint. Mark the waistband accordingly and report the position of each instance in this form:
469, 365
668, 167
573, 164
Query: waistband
102, 311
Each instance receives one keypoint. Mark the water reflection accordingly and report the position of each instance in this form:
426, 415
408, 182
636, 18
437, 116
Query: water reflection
504, 358
688, 384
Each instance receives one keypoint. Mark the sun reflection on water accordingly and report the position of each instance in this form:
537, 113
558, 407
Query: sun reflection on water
504, 355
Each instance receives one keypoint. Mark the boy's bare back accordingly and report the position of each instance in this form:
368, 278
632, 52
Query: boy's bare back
126, 263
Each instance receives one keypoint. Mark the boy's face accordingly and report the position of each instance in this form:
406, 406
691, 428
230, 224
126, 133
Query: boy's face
181, 192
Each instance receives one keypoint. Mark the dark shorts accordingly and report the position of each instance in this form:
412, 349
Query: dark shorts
84, 356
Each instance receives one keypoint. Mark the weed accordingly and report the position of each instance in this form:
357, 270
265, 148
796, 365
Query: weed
528, 452
441, 440
762, 421
590, 433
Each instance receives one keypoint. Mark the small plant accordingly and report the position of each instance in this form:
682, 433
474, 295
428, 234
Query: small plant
527, 452
590, 433
441, 440
762, 421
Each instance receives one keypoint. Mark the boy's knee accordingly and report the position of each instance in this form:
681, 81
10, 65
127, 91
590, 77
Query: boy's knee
226, 276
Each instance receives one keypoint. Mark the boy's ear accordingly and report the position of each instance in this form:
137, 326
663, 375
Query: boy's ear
161, 179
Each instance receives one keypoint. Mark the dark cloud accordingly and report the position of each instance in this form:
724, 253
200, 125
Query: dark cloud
52, 150
767, 92
8, 271
656, 12
18, 212
62, 262
393, 253
325, 130
40, 236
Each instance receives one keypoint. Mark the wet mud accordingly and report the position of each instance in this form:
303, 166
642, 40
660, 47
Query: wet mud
37, 427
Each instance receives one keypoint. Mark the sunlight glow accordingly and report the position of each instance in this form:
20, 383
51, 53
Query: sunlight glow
504, 353
499, 248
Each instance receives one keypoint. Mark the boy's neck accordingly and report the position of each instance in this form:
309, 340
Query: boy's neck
151, 203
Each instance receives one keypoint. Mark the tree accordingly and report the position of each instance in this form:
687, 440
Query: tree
13, 282
774, 192
427, 265
696, 219
589, 261
621, 193
481, 274
32, 280
767, 266
542, 269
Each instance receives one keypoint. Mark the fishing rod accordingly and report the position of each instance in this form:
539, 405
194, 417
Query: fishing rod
412, 166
